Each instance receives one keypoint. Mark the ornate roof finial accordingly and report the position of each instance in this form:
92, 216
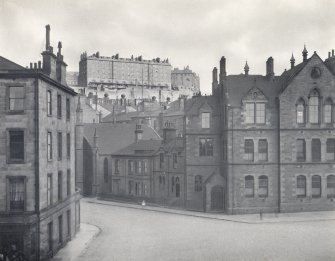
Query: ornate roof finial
292, 61
246, 68
304, 53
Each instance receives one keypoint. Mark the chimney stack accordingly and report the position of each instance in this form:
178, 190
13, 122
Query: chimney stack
223, 72
47, 37
269, 67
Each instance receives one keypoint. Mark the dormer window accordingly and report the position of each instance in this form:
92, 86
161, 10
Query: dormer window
205, 120
255, 113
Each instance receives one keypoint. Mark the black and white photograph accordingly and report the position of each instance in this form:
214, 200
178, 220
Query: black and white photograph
167, 130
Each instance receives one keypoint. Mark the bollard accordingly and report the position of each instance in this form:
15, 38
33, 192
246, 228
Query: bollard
260, 214
143, 203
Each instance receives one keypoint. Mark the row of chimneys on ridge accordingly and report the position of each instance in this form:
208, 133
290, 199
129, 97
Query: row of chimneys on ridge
53, 66
269, 66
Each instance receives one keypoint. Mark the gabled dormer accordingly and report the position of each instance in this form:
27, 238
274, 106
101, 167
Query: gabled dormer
205, 113
254, 107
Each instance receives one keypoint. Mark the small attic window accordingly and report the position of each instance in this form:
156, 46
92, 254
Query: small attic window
205, 120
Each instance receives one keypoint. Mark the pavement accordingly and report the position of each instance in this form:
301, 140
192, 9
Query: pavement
245, 218
76, 247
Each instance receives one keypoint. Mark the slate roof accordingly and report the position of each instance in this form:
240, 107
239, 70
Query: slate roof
140, 148
193, 105
239, 85
113, 137
7, 65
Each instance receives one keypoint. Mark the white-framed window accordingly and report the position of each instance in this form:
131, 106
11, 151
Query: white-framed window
249, 186
314, 107
263, 150
250, 113
316, 186
16, 98
249, 150
330, 150
260, 113
205, 120
263, 184
301, 111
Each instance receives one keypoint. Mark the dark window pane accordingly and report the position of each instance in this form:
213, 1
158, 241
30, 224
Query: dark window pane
16, 145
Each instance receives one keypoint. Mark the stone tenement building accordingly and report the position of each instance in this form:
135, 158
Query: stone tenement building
185, 81
264, 143
39, 206
134, 77
117, 72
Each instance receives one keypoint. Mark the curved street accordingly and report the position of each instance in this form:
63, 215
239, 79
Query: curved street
137, 234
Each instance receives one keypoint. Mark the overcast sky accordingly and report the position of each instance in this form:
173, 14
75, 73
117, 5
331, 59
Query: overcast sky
188, 32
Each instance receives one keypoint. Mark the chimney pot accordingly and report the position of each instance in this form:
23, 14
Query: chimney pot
47, 36
39, 65
31, 65
328, 54
333, 52
35, 66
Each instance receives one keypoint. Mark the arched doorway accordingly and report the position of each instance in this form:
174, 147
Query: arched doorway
217, 198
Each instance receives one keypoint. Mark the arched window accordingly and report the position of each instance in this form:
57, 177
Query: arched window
316, 186
198, 183
105, 170
249, 186
301, 111
331, 186
249, 150
263, 186
328, 111
263, 150
313, 106
301, 186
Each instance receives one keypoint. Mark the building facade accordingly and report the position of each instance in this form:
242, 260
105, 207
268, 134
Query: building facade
185, 80
39, 208
263, 143
116, 72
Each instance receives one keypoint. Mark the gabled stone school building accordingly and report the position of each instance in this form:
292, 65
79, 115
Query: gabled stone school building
263, 143
39, 206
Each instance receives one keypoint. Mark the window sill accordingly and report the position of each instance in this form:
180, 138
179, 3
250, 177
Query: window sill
20, 112
16, 162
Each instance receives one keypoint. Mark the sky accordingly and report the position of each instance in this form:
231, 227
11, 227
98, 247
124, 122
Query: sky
188, 32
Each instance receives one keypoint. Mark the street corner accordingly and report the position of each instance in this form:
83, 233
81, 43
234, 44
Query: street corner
79, 243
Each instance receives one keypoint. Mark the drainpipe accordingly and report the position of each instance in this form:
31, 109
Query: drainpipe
232, 158
279, 169
37, 181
